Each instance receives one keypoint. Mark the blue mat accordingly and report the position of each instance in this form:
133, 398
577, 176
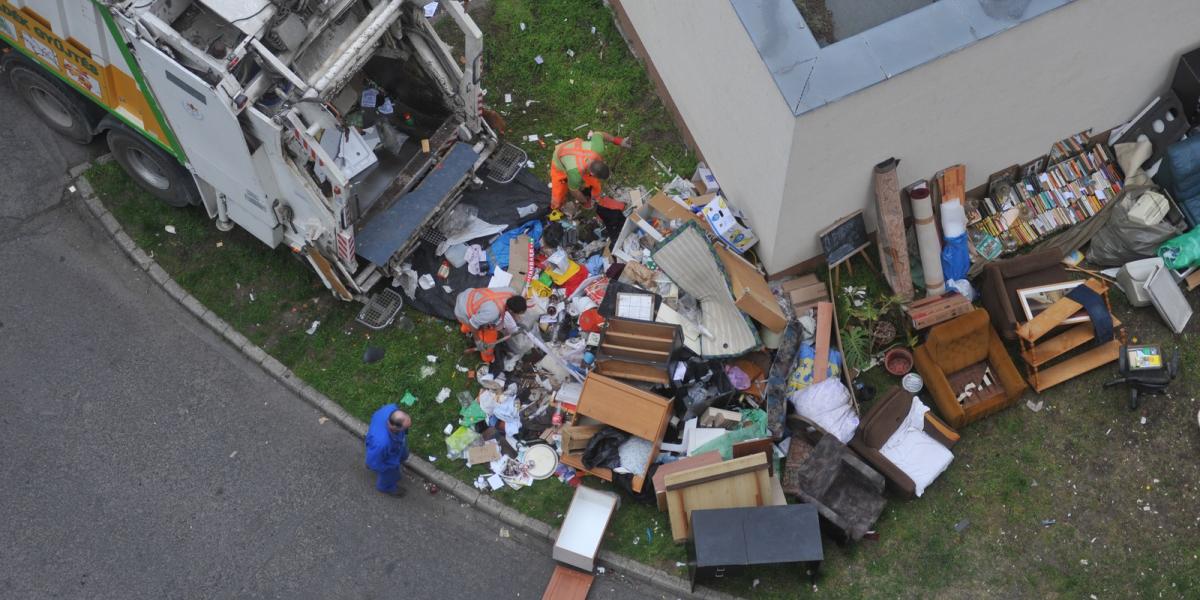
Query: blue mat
385, 233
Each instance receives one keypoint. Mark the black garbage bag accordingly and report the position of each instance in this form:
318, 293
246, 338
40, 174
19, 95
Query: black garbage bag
625, 482
1122, 240
603, 450
704, 383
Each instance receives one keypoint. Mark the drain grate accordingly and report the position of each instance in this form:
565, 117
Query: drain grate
381, 309
432, 236
505, 163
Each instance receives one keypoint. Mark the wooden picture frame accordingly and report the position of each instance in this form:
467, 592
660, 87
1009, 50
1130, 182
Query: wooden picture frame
1036, 299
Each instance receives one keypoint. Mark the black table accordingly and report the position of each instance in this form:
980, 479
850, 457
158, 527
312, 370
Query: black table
727, 538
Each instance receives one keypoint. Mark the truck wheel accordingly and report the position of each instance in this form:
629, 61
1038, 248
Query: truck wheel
154, 170
63, 110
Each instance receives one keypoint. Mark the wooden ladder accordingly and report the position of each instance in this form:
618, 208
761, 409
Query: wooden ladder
1038, 355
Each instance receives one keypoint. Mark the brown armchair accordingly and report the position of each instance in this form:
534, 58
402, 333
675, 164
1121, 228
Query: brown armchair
1002, 279
957, 354
878, 426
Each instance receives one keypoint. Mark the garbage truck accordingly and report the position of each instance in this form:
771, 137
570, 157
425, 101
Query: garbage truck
343, 129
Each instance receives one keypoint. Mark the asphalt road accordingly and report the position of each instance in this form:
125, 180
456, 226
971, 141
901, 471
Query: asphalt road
142, 457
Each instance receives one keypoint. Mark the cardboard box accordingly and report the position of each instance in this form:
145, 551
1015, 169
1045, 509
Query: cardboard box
928, 312
720, 218
575, 438
489, 451
704, 180
719, 417
583, 528
805, 292
518, 261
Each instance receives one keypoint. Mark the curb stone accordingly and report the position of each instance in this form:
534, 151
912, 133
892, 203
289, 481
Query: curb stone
465, 492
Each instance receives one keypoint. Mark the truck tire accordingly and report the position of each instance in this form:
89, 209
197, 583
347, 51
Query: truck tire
154, 170
62, 109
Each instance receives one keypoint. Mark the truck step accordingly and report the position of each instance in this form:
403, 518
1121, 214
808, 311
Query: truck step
505, 163
368, 276
381, 309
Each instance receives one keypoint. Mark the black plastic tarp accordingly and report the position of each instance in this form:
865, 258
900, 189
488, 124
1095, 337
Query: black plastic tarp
497, 203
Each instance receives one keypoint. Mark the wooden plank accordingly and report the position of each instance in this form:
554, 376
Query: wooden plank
716, 471
1053, 316
642, 341
327, 273
764, 446
633, 371
824, 328
1076, 366
953, 184
643, 353
568, 584
1062, 343
683, 464
745, 489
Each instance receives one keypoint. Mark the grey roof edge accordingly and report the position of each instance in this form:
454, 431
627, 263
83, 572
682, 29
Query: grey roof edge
809, 76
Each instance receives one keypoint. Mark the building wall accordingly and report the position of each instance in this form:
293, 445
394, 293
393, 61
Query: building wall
1001, 101
725, 94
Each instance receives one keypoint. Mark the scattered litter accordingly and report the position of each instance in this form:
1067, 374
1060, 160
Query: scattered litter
538, 59
432, 488
431, 9
679, 565
601, 570
170, 229
508, 98
427, 371
233, 454
528, 102
461, 369
533, 137
522, 26
1035, 406
570, 53
529, 163
504, 533
593, 30
408, 399
962, 525
322, 420
1083, 561
754, 584
425, 281
449, 429
220, 244
578, 127
1048, 522
1143, 420
71, 189
447, 289
431, 358
252, 296
312, 328
432, 458
442, 396
572, 81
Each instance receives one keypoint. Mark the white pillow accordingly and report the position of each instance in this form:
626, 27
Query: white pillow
914, 452
828, 405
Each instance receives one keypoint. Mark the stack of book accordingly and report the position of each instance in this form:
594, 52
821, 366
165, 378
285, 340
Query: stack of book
1070, 191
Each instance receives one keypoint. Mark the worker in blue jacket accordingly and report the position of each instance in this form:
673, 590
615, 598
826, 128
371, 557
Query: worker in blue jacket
387, 447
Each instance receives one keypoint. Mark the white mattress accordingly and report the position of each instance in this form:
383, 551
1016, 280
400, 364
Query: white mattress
913, 451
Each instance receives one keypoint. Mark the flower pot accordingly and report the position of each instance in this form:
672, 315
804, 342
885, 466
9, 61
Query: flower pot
898, 361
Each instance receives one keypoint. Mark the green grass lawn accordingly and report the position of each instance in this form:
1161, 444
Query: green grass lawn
1123, 493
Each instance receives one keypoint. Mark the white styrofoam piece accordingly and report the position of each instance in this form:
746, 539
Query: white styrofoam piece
1168, 299
587, 518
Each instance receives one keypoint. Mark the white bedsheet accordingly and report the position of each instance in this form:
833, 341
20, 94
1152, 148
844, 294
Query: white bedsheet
913, 451
828, 405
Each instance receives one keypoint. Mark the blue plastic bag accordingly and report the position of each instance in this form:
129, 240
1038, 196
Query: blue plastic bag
498, 251
956, 258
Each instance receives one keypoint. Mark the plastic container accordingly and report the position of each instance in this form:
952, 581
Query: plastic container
1133, 276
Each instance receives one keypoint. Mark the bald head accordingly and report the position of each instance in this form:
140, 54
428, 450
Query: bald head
399, 421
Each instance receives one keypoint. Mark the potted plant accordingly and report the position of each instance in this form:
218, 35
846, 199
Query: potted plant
868, 329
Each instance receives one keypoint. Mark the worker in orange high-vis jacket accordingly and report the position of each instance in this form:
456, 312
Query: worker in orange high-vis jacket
480, 313
578, 171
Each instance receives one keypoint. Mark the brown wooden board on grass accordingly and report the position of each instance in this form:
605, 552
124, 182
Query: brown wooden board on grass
751, 293
568, 584
711, 457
